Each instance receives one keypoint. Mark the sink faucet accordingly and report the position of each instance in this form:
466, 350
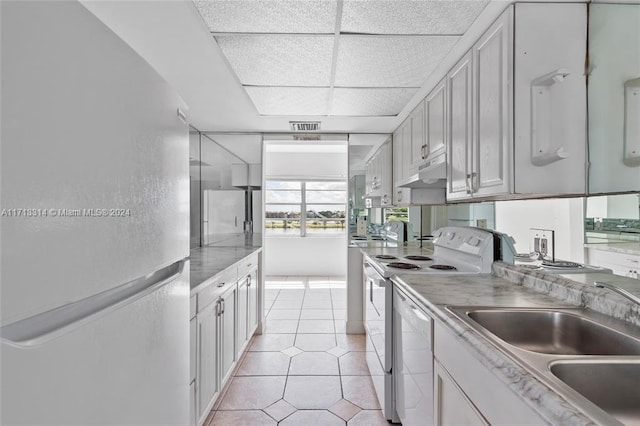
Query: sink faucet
635, 299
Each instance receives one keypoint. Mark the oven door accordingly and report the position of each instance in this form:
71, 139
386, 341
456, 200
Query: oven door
378, 293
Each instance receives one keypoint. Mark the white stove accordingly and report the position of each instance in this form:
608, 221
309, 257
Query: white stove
457, 251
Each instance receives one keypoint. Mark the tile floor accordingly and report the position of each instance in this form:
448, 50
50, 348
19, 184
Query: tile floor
304, 370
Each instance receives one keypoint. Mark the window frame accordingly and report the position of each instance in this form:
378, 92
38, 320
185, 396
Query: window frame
304, 205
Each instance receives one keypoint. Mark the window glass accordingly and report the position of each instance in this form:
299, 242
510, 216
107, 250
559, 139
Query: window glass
324, 204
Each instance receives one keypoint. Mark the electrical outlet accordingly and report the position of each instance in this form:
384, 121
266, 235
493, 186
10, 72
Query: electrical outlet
542, 242
481, 223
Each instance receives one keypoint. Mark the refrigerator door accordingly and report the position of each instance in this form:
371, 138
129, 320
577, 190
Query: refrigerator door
124, 365
95, 201
93, 149
223, 213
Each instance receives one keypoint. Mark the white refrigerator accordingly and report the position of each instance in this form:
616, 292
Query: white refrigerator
94, 288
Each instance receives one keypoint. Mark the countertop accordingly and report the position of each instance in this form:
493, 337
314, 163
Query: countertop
235, 240
513, 286
210, 260
625, 247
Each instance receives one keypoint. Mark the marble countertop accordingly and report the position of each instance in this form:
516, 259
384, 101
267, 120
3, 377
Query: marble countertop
513, 286
625, 247
208, 261
235, 240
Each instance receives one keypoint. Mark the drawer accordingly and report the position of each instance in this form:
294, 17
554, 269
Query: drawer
247, 264
216, 286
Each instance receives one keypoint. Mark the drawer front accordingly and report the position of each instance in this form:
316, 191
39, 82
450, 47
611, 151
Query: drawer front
209, 294
247, 264
216, 287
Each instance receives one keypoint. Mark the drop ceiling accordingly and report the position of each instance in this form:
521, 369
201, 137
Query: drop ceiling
335, 58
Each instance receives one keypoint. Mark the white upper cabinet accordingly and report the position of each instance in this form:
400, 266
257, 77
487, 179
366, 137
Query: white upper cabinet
492, 65
550, 98
459, 173
379, 178
614, 98
418, 143
436, 121
536, 145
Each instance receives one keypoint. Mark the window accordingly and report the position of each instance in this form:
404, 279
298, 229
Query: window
324, 204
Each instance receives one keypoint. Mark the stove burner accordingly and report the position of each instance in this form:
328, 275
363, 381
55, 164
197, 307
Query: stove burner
385, 256
358, 238
417, 257
443, 267
560, 264
403, 265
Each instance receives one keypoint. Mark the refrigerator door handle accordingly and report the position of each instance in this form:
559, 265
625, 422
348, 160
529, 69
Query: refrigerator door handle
58, 321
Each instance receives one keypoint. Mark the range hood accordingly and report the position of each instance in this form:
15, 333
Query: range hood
432, 174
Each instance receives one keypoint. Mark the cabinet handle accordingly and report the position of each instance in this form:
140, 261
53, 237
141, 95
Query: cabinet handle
248, 280
218, 308
399, 195
474, 182
423, 151
223, 307
468, 184
221, 284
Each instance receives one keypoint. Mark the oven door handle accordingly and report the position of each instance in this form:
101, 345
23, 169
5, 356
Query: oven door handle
374, 275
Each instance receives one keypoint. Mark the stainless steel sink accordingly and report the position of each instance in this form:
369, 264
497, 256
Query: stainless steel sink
555, 332
612, 386
590, 359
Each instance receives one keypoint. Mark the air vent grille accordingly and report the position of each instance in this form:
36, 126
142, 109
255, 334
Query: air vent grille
305, 126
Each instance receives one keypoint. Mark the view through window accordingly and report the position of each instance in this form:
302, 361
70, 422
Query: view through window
324, 204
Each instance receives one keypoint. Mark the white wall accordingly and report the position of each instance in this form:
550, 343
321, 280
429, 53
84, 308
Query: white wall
311, 255
564, 216
326, 256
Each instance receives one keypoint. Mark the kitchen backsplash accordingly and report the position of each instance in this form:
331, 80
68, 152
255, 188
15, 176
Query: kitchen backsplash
612, 224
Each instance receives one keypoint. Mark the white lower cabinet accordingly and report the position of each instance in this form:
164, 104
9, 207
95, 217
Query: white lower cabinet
247, 309
207, 383
452, 406
241, 329
227, 320
467, 392
252, 302
627, 265
221, 327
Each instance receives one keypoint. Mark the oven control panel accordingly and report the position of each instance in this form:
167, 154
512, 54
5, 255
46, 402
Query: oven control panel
468, 240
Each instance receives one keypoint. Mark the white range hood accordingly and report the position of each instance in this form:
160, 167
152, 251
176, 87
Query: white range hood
432, 174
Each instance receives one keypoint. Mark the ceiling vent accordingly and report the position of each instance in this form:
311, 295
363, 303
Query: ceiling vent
305, 126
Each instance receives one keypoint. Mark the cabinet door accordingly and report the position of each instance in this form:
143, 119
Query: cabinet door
227, 333
492, 128
252, 303
419, 149
452, 407
207, 383
385, 172
400, 195
436, 115
241, 326
460, 129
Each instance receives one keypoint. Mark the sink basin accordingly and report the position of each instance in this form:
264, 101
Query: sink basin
559, 332
612, 386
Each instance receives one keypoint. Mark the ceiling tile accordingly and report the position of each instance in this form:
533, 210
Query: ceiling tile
389, 61
289, 100
374, 102
269, 16
279, 60
409, 16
